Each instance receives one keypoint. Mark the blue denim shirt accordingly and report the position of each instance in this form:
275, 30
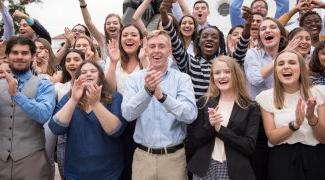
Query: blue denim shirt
160, 124
282, 6
41, 108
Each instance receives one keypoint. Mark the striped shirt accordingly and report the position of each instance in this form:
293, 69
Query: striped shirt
198, 69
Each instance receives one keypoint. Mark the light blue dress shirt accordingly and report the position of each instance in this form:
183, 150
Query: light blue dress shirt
255, 60
41, 107
160, 124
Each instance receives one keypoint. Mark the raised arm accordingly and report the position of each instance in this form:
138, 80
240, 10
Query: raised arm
100, 38
235, 13
301, 6
243, 43
137, 16
179, 52
114, 55
282, 6
185, 7
7, 22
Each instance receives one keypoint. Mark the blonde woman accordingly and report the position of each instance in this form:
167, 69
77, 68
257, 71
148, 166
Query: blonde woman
291, 121
225, 131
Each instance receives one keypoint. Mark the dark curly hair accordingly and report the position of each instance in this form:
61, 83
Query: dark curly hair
315, 65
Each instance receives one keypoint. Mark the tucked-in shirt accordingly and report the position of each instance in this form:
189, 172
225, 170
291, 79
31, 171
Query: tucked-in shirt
225, 109
41, 107
160, 124
283, 116
255, 60
90, 152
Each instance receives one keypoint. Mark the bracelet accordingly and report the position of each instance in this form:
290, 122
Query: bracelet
312, 125
292, 126
150, 92
163, 99
83, 6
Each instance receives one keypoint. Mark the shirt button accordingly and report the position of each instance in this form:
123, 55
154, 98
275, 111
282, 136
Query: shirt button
12, 105
10, 128
9, 139
8, 151
10, 117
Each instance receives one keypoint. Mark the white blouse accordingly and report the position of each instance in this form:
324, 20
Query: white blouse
225, 109
283, 116
62, 89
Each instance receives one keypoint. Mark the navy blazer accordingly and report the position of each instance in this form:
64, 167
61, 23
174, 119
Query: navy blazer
239, 139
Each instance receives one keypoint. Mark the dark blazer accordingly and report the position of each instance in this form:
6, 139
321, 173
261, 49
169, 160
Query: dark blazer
239, 138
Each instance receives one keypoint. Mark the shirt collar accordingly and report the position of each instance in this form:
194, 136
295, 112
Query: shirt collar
23, 76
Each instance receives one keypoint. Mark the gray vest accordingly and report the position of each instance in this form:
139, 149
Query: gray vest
20, 136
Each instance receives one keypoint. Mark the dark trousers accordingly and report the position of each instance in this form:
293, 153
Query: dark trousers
297, 162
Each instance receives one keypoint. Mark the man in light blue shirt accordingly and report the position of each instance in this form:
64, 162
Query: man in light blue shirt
162, 102
26, 103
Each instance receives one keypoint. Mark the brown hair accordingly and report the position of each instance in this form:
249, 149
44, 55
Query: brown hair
156, 33
91, 44
278, 90
107, 37
238, 82
52, 58
106, 94
283, 35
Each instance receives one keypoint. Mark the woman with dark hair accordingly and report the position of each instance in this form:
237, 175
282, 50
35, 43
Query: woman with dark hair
301, 39
225, 131
70, 63
112, 27
290, 116
210, 44
312, 22
125, 60
233, 37
188, 27
317, 65
91, 116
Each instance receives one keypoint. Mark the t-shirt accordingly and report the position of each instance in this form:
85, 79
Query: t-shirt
283, 116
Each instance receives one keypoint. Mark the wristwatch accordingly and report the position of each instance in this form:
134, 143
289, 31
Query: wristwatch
163, 98
292, 126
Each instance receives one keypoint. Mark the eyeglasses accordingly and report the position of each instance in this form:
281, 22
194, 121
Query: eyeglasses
79, 31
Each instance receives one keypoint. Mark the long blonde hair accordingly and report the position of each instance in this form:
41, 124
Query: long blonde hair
238, 82
303, 81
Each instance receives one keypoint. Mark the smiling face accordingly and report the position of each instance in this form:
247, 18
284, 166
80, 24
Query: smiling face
90, 73
82, 44
201, 13
187, 27
269, 34
260, 7
235, 35
78, 30
130, 40
41, 52
113, 27
209, 42
257, 20
305, 42
287, 69
25, 30
222, 76
313, 24
72, 62
158, 50
20, 58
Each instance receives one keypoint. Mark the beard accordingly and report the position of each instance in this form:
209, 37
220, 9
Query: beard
19, 71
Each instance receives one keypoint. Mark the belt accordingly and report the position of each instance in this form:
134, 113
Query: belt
167, 150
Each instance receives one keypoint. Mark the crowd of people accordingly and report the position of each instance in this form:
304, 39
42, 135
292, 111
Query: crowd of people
183, 101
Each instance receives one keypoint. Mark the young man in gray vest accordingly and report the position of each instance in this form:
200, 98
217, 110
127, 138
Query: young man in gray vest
26, 103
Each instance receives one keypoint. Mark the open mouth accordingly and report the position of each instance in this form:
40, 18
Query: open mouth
208, 45
287, 75
254, 28
223, 82
200, 15
112, 30
129, 44
269, 37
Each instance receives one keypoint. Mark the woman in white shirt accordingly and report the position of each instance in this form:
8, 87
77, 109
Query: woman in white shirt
225, 131
294, 134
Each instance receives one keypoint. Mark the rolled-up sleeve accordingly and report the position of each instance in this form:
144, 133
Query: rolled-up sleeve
40, 108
